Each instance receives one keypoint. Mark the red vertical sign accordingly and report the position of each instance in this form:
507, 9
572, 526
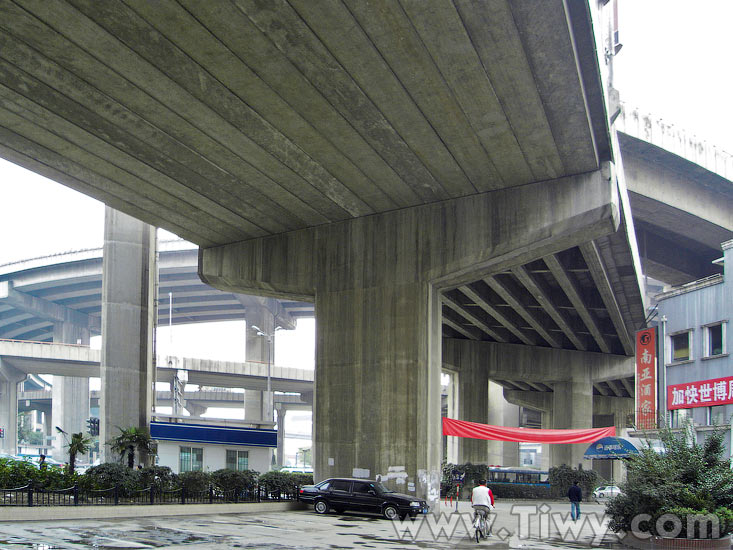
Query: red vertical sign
646, 379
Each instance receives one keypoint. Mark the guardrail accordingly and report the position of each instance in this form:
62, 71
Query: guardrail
28, 495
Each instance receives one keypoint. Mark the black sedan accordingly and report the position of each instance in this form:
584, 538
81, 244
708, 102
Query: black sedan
361, 495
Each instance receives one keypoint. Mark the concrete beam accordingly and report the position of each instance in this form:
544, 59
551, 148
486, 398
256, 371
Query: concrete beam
544, 298
534, 364
454, 305
46, 309
598, 271
516, 303
376, 283
497, 315
281, 317
490, 232
574, 295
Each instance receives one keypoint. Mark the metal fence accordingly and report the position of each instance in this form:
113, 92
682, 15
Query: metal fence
29, 495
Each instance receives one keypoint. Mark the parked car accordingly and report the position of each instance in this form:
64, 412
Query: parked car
361, 495
606, 491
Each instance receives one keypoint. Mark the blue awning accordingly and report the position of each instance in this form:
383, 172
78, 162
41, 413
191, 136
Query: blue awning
610, 448
204, 433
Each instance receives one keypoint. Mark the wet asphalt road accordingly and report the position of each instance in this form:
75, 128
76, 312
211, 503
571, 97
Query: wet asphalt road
306, 530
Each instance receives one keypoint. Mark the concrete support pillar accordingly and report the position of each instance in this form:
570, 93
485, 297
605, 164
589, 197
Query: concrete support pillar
572, 408
377, 396
281, 416
10, 377
259, 349
69, 395
473, 406
128, 277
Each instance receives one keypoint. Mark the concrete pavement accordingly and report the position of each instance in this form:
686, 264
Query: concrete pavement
306, 530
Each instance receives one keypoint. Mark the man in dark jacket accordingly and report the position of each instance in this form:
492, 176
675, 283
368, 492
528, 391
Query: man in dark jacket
575, 494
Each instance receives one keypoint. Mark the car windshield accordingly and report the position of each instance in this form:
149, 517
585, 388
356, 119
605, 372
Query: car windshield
381, 488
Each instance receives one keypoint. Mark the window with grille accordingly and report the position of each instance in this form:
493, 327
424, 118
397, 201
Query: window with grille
191, 459
237, 460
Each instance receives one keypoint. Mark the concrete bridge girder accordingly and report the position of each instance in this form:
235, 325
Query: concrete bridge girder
391, 281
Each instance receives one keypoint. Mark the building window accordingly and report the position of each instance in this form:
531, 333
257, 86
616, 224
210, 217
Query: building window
714, 340
716, 416
191, 459
237, 460
681, 346
678, 417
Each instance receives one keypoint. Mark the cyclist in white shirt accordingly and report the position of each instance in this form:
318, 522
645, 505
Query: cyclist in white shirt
482, 500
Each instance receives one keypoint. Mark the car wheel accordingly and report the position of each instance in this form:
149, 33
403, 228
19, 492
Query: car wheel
320, 506
600, 495
390, 512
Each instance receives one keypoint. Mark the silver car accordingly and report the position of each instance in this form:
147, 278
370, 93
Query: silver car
606, 491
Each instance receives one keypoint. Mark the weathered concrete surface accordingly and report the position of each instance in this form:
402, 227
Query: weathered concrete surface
375, 281
9, 379
128, 289
531, 363
228, 122
70, 400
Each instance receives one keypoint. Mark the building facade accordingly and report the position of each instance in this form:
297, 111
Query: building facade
198, 445
696, 344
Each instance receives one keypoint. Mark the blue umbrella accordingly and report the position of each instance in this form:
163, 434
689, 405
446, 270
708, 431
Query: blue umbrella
610, 448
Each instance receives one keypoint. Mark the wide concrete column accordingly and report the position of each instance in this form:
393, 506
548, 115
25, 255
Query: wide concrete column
128, 276
377, 406
572, 408
473, 400
259, 349
70, 394
376, 282
10, 377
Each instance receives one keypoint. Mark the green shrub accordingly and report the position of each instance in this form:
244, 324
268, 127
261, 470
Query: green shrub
195, 482
240, 481
561, 478
161, 478
276, 482
686, 478
108, 475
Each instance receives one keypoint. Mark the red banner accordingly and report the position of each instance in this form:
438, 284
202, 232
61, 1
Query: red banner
702, 393
646, 378
474, 430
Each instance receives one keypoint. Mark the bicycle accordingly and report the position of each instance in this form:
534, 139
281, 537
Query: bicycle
479, 524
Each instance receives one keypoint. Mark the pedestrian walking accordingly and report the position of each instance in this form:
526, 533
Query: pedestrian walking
575, 494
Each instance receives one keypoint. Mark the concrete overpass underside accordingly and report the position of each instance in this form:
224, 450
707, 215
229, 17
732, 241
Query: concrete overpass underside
416, 169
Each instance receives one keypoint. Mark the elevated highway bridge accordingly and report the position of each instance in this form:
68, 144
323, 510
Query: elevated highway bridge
441, 180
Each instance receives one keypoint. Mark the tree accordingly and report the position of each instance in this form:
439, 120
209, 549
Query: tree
79, 444
130, 440
686, 480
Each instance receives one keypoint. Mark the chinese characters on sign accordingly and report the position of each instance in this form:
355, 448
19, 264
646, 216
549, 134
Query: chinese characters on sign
703, 393
646, 378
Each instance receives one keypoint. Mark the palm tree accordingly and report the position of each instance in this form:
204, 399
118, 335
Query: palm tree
79, 444
130, 440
